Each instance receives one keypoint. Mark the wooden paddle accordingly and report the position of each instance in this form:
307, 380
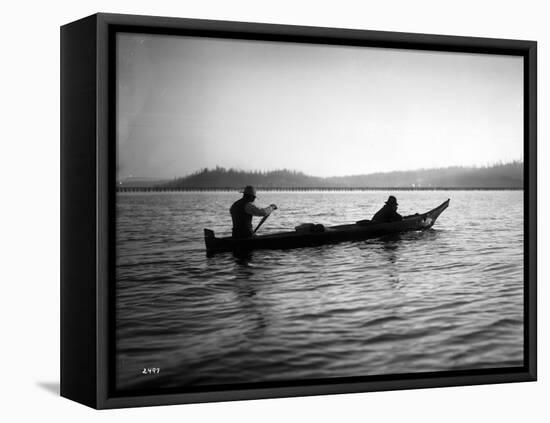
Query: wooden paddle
262, 222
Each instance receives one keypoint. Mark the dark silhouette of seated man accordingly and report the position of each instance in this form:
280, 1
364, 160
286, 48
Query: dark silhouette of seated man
242, 211
388, 213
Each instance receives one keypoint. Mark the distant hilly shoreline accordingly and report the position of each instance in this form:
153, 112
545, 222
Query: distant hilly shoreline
499, 176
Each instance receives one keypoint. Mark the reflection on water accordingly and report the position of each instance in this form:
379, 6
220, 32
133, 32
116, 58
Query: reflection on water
447, 298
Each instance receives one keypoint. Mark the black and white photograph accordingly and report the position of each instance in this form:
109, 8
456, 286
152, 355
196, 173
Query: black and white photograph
297, 212
266, 212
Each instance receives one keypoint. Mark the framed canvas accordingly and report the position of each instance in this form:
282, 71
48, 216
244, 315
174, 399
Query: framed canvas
256, 211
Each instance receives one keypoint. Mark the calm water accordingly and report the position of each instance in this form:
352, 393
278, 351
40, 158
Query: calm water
445, 299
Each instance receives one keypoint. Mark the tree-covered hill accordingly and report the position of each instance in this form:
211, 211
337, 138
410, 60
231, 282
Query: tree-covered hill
501, 176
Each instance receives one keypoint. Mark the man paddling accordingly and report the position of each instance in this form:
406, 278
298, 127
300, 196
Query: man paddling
242, 211
388, 213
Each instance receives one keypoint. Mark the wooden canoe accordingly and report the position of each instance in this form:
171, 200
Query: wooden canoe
332, 234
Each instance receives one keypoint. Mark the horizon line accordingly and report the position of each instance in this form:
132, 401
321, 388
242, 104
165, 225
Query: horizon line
271, 189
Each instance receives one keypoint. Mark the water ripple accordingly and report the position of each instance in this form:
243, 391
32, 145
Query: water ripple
448, 298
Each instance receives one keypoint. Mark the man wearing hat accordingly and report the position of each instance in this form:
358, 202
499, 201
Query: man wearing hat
388, 213
242, 211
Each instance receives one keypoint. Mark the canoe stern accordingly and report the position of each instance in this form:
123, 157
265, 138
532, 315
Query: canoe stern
209, 238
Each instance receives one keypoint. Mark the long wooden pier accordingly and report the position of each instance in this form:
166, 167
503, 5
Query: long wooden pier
123, 189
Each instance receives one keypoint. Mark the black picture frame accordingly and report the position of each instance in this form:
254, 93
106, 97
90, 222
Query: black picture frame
88, 200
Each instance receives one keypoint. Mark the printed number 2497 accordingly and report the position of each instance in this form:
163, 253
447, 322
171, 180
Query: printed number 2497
151, 371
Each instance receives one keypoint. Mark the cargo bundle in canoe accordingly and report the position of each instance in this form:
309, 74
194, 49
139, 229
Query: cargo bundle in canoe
295, 239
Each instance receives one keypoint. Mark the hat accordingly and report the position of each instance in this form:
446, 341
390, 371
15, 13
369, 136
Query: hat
249, 190
392, 200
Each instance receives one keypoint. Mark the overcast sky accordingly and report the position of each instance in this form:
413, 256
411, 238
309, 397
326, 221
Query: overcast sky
185, 103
